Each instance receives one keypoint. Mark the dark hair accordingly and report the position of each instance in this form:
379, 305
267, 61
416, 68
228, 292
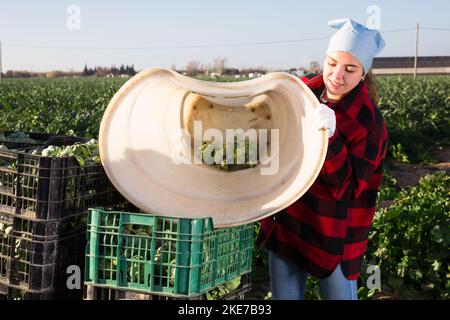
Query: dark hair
372, 87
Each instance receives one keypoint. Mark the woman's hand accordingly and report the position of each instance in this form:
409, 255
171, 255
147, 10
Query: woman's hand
324, 118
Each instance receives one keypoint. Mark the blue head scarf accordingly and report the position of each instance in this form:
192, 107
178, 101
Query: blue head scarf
363, 43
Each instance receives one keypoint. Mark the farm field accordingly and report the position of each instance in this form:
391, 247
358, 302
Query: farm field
415, 111
411, 233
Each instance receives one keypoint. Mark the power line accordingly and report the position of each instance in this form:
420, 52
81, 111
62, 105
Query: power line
242, 44
172, 47
398, 30
436, 29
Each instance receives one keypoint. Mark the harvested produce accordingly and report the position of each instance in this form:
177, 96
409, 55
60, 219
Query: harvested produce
243, 157
85, 153
224, 289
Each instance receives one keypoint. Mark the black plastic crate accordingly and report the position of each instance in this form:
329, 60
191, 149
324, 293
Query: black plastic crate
35, 255
42, 139
8, 292
44, 230
44, 203
46, 188
39, 266
98, 292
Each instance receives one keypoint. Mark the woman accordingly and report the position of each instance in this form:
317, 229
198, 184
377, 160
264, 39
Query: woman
325, 232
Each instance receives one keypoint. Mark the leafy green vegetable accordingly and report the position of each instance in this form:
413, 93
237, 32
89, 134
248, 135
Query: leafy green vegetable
224, 289
85, 153
410, 240
56, 106
243, 157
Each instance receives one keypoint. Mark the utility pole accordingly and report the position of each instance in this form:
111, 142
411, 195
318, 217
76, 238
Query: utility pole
1, 69
417, 50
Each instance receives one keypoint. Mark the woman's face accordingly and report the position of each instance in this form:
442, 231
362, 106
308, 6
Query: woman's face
341, 73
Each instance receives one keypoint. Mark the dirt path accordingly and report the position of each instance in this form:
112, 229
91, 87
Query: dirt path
408, 175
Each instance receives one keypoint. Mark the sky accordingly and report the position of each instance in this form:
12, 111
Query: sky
66, 34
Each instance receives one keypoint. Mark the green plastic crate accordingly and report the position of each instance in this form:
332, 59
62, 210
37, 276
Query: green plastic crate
164, 255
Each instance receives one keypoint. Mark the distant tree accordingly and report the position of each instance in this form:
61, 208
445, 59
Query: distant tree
130, 70
114, 70
87, 72
101, 71
21, 74
192, 68
219, 65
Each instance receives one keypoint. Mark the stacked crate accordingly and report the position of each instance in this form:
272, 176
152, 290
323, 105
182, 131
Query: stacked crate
139, 255
93, 292
43, 211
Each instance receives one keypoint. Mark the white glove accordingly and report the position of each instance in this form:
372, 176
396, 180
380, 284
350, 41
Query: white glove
324, 118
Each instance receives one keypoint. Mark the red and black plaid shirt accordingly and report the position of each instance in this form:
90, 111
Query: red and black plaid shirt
330, 223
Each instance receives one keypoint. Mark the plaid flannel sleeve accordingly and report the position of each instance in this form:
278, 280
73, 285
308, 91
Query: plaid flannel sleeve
348, 167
